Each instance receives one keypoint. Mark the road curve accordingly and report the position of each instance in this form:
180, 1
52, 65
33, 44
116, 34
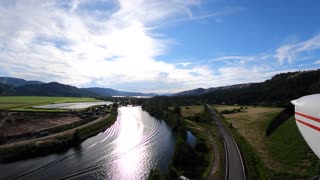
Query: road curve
234, 162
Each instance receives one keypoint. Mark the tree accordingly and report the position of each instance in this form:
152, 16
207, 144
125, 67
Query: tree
76, 140
177, 110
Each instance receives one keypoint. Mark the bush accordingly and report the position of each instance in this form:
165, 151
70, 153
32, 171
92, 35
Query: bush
76, 138
155, 174
201, 146
177, 110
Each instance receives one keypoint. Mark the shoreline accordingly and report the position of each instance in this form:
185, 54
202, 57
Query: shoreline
55, 143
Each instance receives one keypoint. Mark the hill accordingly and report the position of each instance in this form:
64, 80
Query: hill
277, 91
112, 92
200, 91
5, 89
194, 92
17, 82
52, 89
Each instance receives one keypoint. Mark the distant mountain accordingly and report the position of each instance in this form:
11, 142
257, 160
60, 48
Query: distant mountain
112, 92
19, 87
17, 82
52, 89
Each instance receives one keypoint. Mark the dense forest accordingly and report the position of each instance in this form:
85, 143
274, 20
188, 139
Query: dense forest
277, 91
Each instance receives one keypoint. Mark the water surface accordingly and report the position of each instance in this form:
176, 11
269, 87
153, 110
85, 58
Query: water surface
77, 105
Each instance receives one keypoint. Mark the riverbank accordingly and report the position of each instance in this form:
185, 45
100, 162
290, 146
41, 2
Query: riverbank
191, 161
54, 143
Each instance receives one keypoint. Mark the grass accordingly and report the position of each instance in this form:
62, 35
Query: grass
220, 173
283, 153
286, 145
25, 103
191, 110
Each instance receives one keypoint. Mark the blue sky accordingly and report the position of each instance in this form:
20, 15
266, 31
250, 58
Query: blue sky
157, 46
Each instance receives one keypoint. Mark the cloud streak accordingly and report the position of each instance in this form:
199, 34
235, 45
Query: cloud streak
289, 52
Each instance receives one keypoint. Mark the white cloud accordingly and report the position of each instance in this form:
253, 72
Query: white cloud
290, 51
242, 58
54, 41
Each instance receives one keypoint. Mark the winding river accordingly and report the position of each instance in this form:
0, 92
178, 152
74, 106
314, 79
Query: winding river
128, 149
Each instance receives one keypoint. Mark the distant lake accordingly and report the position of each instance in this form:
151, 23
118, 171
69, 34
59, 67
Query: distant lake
77, 105
135, 96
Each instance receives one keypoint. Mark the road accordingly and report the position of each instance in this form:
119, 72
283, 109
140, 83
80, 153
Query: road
234, 162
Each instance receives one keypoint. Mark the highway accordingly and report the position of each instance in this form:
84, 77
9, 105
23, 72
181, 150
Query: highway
234, 162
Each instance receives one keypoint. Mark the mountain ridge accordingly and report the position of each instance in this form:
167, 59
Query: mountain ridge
113, 92
17, 82
277, 91
200, 91
10, 86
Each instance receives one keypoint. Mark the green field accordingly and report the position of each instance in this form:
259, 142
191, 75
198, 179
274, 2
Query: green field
285, 152
25, 103
191, 110
287, 146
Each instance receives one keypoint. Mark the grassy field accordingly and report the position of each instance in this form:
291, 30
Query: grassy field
287, 146
190, 110
24, 103
285, 153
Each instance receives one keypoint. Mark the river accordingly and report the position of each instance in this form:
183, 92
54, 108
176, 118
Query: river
128, 149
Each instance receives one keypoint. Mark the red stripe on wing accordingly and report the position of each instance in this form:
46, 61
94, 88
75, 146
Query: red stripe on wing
309, 125
309, 117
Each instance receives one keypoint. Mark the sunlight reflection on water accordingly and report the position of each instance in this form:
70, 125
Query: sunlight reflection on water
128, 149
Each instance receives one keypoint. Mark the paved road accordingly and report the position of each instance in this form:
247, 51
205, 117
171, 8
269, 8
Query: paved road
234, 163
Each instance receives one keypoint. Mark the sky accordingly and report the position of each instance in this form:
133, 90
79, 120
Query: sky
157, 46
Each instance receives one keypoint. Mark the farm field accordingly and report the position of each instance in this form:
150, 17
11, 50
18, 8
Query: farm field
33, 122
25, 103
284, 152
